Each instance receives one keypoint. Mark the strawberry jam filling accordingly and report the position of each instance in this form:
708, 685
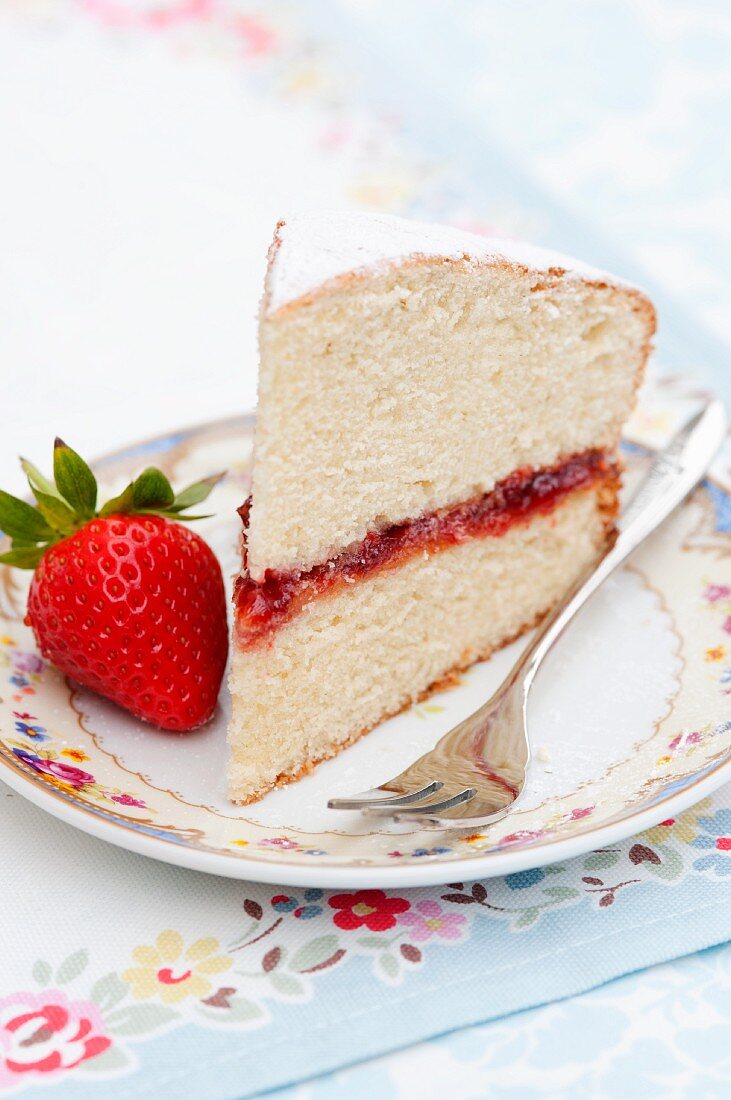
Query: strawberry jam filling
262, 606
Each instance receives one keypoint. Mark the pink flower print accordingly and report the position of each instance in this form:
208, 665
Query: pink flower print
521, 836
64, 773
128, 800
683, 740
336, 135
428, 919
284, 842
257, 39
46, 1034
716, 592
578, 814
158, 15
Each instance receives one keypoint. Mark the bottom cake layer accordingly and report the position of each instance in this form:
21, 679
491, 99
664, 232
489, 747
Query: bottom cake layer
353, 657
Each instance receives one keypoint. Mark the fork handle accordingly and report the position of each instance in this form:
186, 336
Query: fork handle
674, 473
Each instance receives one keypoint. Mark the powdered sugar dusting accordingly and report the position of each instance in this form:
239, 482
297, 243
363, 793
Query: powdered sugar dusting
309, 250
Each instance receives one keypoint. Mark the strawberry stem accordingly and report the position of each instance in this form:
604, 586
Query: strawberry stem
70, 501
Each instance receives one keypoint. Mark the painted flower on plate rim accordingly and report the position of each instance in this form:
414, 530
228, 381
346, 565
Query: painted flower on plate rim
63, 773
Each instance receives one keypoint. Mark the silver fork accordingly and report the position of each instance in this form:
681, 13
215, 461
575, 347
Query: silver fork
478, 770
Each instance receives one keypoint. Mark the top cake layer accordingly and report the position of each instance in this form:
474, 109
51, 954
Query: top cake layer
406, 368
311, 250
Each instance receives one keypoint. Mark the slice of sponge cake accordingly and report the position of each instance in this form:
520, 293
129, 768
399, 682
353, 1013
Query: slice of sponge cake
434, 464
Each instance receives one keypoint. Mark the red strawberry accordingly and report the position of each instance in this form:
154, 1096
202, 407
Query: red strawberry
125, 601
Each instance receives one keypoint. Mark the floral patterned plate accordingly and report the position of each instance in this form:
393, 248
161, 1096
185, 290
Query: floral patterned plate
629, 719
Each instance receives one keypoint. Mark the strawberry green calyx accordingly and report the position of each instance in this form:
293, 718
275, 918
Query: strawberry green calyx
67, 503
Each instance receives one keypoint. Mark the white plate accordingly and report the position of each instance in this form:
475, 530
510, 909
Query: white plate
629, 718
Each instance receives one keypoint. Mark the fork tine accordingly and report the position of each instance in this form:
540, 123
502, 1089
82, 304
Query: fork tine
424, 810
375, 798
440, 820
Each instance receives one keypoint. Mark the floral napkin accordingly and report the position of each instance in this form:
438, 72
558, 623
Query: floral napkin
123, 976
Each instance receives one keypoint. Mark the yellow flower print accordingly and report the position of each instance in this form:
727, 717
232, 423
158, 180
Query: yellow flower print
167, 972
75, 754
716, 654
683, 828
59, 784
